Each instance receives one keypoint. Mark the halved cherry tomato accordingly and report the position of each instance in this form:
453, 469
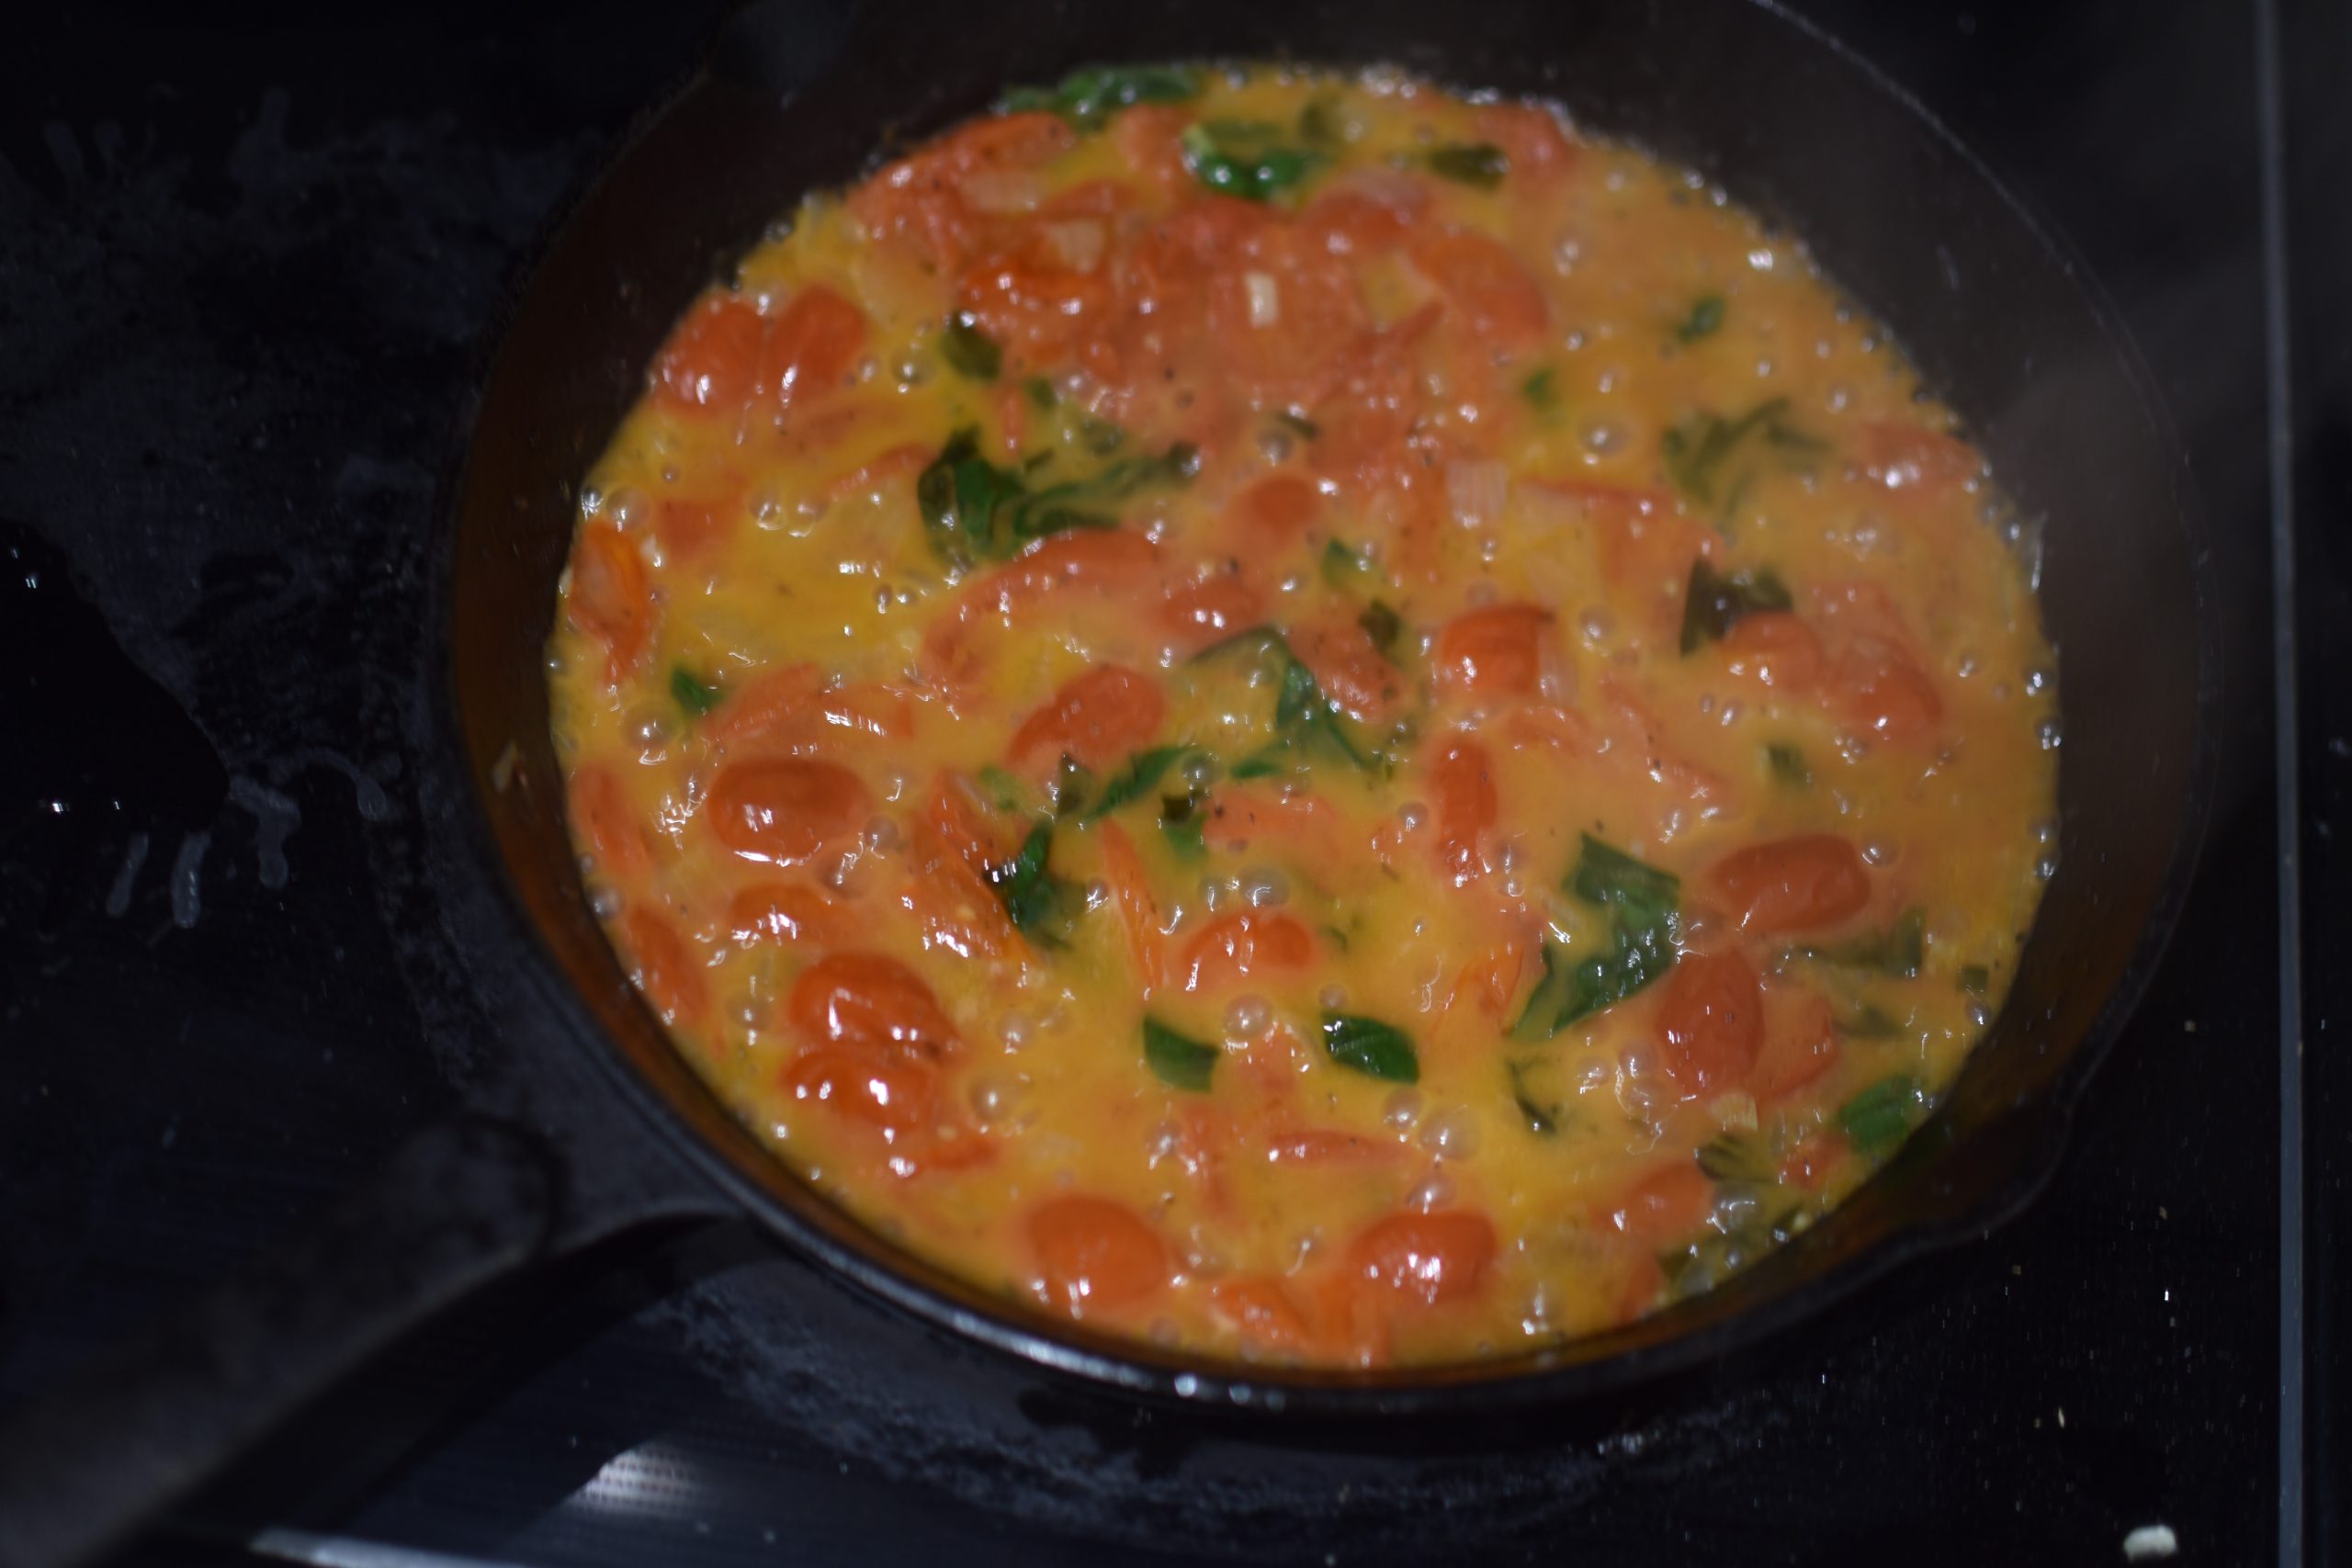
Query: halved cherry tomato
1147, 137
1202, 610
867, 1002
958, 910
1495, 649
920, 197
871, 478
814, 341
1442, 1256
1666, 1205
1123, 868
1096, 1253
1712, 1017
893, 1096
793, 707
1258, 1309
1367, 214
788, 911
712, 361
1461, 778
663, 967
1273, 512
1236, 948
1280, 318
1876, 687
953, 827
785, 809
1793, 884
1800, 1045
1484, 284
612, 597
1774, 649
613, 833
1348, 666
1095, 720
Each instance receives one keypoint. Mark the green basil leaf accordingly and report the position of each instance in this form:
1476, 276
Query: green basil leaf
692, 695
1896, 953
1087, 98
1369, 1046
1245, 158
1713, 603
1381, 624
1541, 390
1879, 1118
969, 351
1787, 765
1705, 317
1698, 452
1738, 1157
1479, 163
1139, 777
1043, 906
1543, 1120
1975, 979
1176, 1061
1871, 1022
1641, 903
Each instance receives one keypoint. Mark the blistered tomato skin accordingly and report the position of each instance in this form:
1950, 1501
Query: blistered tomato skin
1303, 719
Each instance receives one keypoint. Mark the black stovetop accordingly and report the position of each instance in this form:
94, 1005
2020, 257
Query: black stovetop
246, 282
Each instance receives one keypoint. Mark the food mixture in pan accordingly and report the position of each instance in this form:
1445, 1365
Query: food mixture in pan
1305, 718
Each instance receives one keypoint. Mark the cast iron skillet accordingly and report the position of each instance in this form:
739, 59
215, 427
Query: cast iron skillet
799, 95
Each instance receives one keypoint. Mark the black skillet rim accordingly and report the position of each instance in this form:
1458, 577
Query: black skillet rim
1518, 1382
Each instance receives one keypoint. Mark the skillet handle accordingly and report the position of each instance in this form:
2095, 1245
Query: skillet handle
82, 1463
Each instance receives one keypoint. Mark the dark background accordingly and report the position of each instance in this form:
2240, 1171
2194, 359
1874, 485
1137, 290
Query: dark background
248, 274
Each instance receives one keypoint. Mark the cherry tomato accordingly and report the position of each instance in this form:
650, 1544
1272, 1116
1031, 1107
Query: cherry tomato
1147, 137
1793, 884
1281, 318
1496, 649
1122, 868
1800, 1045
712, 361
1096, 719
1238, 947
882, 473
813, 345
1442, 1256
662, 966
1202, 610
865, 1001
1096, 1254
793, 707
1348, 666
687, 528
1484, 284
1877, 688
1712, 1017
1462, 780
954, 827
788, 911
613, 832
1273, 512
894, 1097
1366, 215
1258, 1309
958, 910
785, 809
611, 599
1036, 301
1774, 649
1666, 1205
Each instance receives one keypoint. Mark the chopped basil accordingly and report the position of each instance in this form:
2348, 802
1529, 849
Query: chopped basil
1541, 1120
1640, 903
1369, 1046
1318, 125
1713, 604
1044, 907
1345, 569
1872, 1023
1005, 792
1139, 777
1738, 1157
1381, 624
1090, 98
976, 511
1705, 317
1040, 393
1697, 450
1897, 952
1879, 1118
1246, 158
1298, 424
1787, 765
1975, 979
969, 352
1305, 721
1478, 163
1176, 1061
692, 695
1182, 829
1541, 390
1071, 784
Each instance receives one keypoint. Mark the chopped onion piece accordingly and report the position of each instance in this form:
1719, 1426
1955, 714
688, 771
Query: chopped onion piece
1003, 191
1078, 243
1476, 492
1265, 298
